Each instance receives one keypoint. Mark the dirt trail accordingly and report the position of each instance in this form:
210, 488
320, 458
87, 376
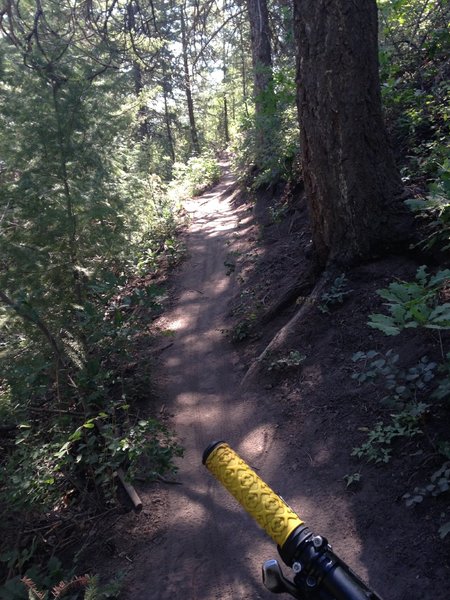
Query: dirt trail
203, 555
206, 547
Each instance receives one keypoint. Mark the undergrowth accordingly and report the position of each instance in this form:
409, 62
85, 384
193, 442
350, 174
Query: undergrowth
416, 393
70, 390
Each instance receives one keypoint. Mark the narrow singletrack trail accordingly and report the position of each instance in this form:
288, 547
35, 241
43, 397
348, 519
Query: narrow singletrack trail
206, 535
206, 547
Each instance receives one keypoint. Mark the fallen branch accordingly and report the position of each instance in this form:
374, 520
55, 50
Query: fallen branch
56, 411
281, 336
129, 489
158, 478
132, 494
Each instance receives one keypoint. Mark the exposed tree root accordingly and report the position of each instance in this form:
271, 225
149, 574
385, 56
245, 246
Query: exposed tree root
282, 335
302, 288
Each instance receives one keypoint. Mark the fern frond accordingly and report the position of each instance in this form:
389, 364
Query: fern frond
33, 592
92, 589
63, 587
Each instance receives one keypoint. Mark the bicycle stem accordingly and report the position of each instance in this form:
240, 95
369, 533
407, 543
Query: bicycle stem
319, 574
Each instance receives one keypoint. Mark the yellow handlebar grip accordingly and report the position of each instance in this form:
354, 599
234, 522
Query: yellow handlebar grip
270, 512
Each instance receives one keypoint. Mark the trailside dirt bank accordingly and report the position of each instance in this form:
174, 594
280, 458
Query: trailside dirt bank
201, 545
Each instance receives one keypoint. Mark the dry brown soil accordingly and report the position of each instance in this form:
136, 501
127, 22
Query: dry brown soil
193, 541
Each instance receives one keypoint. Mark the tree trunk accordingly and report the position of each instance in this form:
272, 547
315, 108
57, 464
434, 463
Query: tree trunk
243, 69
226, 129
261, 49
144, 125
167, 120
265, 105
187, 85
349, 173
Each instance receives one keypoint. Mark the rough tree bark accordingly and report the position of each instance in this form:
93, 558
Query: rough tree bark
349, 173
167, 119
350, 178
243, 67
265, 105
187, 83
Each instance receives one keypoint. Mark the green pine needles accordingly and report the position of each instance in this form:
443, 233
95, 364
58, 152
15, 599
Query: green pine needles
81, 215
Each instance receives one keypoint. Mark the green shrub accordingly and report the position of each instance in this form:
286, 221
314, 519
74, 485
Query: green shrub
413, 304
335, 295
196, 176
435, 209
405, 424
293, 359
403, 385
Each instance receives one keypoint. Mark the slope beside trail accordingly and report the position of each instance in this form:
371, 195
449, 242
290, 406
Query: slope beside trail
201, 544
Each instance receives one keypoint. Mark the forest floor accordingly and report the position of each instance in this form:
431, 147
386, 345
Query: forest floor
297, 427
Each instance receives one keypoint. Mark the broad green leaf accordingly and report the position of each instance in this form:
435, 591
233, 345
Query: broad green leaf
384, 323
444, 530
440, 278
422, 275
441, 315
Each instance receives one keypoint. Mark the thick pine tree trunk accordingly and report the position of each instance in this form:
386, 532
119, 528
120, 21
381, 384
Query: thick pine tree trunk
265, 104
167, 119
261, 49
188, 86
349, 173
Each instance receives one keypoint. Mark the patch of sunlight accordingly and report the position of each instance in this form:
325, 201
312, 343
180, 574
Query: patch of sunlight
187, 399
258, 441
173, 361
178, 324
210, 414
222, 227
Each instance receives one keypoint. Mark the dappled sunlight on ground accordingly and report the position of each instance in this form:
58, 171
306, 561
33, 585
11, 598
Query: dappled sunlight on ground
207, 547
257, 442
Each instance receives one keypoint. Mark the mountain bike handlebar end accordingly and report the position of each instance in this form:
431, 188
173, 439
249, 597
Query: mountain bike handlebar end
210, 449
267, 508
319, 573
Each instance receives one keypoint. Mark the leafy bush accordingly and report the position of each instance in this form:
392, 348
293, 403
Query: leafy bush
436, 210
37, 474
293, 359
439, 484
241, 331
414, 73
263, 164
405, 424
196, 176
403, 385
442, 392
335, 295
411, 305
414, 304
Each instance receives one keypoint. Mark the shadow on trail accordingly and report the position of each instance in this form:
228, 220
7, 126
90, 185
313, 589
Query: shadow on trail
210, 549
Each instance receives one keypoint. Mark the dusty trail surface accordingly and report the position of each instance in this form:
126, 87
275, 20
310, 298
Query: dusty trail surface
195, 542
203, 555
